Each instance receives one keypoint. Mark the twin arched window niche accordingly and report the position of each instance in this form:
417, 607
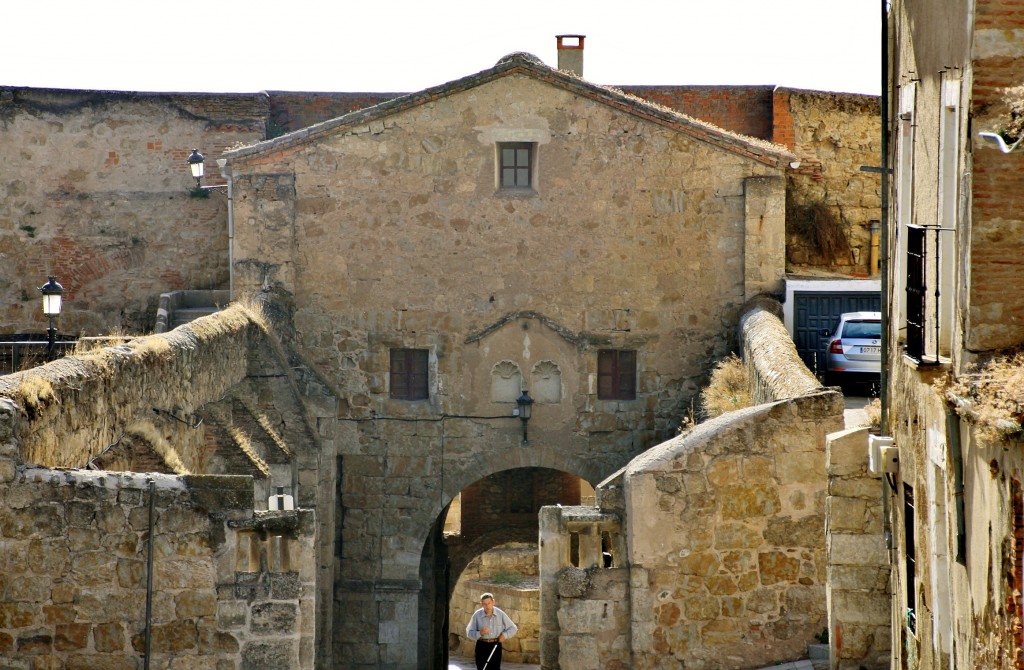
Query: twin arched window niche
545, 383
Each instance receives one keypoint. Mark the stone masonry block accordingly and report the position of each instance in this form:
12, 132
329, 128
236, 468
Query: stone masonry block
856, 550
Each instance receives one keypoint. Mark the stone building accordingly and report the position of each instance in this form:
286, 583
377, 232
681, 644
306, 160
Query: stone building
95, 190
706, 551
444, 251
426, 260
955, 500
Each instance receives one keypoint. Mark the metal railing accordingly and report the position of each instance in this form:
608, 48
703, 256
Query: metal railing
18, 355
919, 316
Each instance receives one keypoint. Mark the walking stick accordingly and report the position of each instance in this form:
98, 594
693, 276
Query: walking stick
493, 650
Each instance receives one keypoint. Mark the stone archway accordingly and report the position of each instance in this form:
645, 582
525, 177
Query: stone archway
498, 508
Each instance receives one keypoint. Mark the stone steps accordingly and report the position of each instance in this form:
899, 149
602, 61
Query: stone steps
187, 314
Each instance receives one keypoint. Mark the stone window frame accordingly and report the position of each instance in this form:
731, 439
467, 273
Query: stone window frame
614, 367
411, 381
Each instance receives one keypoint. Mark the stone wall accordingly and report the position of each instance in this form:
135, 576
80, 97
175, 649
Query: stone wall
489, 282
520, 602
774, 367
75, 407
585, 606
726, 538
859, 597
833, 134
219, 395
722, 562
230, 591
95, 190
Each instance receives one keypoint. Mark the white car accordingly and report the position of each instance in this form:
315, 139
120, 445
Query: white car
853, 348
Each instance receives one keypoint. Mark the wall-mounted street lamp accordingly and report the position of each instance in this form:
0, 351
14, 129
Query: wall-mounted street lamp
197, 165
52, 294
524, 403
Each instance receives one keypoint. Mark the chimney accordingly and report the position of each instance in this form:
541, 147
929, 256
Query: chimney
570, 53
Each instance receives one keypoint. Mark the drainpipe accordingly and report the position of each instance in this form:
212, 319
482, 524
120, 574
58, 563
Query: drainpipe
883, 381
884, 225
149, 576
875, 243
957, 456
225, 172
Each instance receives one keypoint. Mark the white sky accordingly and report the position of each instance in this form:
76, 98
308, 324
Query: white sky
408, 45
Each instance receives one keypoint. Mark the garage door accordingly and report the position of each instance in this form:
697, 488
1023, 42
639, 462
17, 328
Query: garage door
813, 312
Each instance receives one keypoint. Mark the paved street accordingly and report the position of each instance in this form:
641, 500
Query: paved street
463, 663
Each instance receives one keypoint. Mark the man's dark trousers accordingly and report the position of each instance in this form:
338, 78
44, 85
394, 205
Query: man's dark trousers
483, 650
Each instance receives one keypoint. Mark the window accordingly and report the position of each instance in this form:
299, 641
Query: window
616, 374
516, 165
409, 374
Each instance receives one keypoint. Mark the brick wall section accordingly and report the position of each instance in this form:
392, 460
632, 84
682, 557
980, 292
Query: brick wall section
291, 111
742, 109
996, 300
508, 499
73, 592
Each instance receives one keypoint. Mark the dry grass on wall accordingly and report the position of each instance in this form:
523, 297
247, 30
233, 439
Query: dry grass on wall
819, 226
995, 390
167, 453
728, 388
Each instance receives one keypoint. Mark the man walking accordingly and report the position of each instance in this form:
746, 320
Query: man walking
489, 626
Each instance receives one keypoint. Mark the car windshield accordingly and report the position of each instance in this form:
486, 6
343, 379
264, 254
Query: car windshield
863, 330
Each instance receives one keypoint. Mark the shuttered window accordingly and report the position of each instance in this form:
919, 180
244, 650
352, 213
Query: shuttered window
409, 374
616, 374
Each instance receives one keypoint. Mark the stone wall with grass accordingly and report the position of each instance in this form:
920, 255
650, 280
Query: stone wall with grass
75, 408
213, 396
774, 367
230, 590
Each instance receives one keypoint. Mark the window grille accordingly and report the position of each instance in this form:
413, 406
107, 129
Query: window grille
916, 291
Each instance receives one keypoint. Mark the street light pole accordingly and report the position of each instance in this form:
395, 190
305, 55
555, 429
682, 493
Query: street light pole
52, 294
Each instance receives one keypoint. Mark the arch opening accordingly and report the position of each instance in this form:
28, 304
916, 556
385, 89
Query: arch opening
486, 540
